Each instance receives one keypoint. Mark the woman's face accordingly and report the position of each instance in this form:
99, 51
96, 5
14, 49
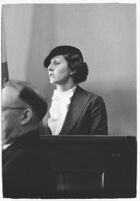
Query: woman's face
59, 72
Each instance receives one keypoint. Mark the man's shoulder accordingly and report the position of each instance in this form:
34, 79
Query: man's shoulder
23, 145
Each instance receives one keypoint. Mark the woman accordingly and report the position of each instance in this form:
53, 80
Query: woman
73, 111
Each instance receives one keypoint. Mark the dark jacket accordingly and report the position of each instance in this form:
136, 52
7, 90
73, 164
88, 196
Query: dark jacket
22, 169
86, 115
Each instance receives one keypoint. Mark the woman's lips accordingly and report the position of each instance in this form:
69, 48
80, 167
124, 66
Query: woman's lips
51, 75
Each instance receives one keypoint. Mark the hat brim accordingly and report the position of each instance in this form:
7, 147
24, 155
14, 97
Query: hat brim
61, 50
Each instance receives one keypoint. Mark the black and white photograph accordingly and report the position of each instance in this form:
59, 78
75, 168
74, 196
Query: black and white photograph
69, 100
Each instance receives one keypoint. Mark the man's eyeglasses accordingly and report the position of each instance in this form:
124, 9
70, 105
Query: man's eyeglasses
13, 108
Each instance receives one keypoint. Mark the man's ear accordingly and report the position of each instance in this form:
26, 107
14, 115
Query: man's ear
26, 116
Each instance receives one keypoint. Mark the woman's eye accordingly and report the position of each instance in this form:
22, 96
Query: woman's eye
56, 62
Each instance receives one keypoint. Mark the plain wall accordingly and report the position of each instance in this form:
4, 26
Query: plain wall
106, 35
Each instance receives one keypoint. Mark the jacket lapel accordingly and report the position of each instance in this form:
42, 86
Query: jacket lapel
78, 103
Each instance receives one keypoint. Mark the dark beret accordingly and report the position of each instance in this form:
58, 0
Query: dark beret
61, 50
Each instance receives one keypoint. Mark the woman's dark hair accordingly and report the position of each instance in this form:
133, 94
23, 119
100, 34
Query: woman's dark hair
76, 64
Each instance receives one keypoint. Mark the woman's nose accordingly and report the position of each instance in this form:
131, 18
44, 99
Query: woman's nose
50, 67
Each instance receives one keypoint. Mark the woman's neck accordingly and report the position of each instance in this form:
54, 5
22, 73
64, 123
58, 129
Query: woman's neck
65, 87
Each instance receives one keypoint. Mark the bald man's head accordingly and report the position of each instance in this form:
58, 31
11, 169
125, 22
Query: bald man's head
22, 107
25, 94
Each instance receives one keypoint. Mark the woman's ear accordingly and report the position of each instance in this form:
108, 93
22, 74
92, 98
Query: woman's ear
72, 72
26, 116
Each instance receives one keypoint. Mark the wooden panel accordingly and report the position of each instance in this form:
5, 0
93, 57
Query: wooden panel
92, 167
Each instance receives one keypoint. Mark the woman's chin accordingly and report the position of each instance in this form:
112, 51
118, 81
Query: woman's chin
52, 81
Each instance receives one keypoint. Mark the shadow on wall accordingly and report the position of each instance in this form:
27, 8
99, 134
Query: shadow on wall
122, 111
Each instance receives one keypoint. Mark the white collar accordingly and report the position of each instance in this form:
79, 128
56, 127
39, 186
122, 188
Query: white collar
5, 146
68, 93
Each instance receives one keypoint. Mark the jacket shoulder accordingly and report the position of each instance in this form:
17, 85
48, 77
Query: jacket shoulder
91, 97
87, 93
